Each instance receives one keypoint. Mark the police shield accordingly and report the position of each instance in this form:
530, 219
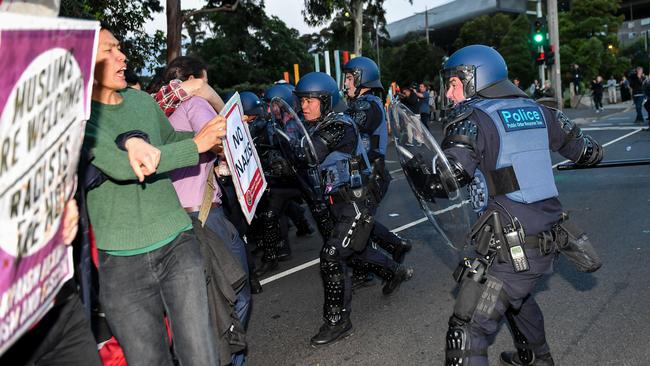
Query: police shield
296, 145
429, 173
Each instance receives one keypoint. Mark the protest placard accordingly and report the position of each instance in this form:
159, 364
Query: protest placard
242, 158
45, 96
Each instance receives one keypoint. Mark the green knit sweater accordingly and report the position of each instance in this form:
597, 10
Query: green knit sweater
124, 213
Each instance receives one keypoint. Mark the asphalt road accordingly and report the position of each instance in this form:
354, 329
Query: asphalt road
591, 319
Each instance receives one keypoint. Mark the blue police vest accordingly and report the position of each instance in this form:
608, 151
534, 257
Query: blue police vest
381, 131
524, 145
335, 169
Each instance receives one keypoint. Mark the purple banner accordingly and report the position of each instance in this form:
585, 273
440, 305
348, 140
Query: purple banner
45, 100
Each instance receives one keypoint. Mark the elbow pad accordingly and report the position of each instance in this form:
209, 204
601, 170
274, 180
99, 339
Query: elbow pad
331, 134
571, 130
462, 133
592, 152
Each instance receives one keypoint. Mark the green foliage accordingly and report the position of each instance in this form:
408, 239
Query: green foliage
412, 61
125, 18
637, 53
516, 50
588, 38
486, 29
257, 54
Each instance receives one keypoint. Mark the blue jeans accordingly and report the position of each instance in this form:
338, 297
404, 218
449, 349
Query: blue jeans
136, 293
218, 223
638, 104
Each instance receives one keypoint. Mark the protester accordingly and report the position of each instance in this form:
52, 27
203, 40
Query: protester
624, 85
423, 103
191, 182
149, 260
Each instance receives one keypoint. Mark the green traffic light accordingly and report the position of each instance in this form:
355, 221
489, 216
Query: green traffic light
538, 38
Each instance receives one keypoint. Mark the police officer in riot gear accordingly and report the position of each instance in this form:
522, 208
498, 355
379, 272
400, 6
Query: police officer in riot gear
367, 111
344, 174
498, 142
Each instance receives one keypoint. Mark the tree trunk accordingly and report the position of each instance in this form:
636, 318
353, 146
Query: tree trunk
357, 14
174, 28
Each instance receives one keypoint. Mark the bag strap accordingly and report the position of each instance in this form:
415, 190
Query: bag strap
208, 193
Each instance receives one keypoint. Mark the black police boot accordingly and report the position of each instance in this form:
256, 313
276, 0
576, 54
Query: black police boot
269, 263
331, 333
256, 286
401, 250
284, 253
303, 228
512, 358
401, 274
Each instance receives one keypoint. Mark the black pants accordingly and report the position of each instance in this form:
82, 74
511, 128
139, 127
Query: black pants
62, 337
598, 100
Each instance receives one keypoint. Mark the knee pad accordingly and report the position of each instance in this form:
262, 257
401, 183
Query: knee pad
457, 343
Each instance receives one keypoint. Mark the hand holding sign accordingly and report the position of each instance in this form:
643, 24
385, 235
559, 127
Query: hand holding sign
70, 222
211, 134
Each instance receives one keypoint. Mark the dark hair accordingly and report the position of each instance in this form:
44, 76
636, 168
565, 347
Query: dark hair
183, 67
156, 81
131, 77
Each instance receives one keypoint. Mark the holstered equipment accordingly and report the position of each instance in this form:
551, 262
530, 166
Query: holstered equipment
575, 245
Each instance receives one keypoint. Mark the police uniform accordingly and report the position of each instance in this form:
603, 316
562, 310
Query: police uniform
342, 184
499, 143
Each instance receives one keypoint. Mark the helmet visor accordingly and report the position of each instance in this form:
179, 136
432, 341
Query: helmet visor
458, 84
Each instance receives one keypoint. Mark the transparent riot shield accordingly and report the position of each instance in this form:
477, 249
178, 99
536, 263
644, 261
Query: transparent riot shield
296, 145
430, 175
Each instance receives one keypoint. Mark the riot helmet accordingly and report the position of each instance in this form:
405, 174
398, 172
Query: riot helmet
251, 104
282, 91
365, 73
481, 70
321, 86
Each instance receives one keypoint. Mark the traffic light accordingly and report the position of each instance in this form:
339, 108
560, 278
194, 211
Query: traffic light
550, 55
539, 34
540, 57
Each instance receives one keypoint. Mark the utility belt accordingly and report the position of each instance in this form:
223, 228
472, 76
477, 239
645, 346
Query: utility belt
506, 243
347, 195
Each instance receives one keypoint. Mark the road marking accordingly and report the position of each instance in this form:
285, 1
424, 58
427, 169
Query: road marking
609, 127
410, 224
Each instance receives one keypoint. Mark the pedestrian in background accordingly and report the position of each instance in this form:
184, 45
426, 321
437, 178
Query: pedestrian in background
422, 93
636, 84
611, 90
624, 85
597, 93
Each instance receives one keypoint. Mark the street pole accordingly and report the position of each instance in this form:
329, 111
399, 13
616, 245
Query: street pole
554, 32
377, 41
540, 48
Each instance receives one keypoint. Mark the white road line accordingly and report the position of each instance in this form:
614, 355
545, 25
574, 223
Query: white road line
610, 127
409, 225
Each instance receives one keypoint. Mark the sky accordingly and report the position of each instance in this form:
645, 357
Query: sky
289, 12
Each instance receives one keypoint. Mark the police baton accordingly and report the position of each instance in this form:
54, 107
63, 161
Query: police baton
605, 164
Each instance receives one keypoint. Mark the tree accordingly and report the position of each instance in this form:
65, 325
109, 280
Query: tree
248, 57
588, 34
318, 12
125, 18
516, 50
176, 18
486, 30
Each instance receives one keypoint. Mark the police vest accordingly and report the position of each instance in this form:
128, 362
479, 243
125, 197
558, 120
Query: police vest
523, 147
340, 169
380, 134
